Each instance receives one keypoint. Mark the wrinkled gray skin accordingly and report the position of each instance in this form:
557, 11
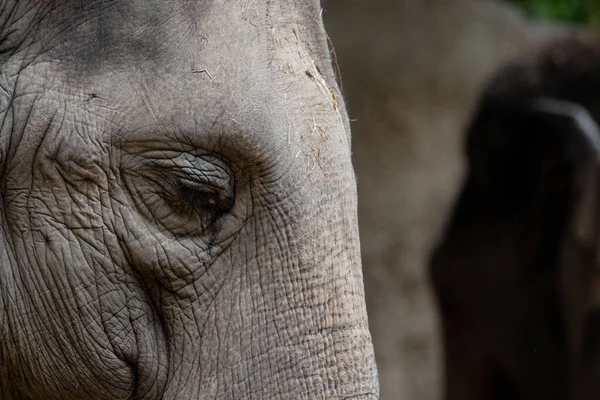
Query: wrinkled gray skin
178, 207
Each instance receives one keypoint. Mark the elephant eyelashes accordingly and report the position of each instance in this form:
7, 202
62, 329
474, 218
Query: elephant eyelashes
204, 186
184, 193
206, 199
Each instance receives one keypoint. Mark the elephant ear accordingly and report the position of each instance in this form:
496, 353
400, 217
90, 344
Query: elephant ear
569, 70
578, 263
549, 166
579, 258
525, 230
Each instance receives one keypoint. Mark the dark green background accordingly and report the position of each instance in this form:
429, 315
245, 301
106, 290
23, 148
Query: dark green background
576, 11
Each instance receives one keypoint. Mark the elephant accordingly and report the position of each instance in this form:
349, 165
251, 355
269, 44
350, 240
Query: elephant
178, 208
413, 73
516, 274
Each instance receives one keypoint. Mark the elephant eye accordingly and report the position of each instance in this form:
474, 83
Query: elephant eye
216, 201
185, 193
205, 186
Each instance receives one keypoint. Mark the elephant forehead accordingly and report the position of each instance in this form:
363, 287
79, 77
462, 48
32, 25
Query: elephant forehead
91, 37
94, 35
177, 68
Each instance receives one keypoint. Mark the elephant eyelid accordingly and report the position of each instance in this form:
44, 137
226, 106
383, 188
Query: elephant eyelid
206, 198
185, 169
206, 183
213, 177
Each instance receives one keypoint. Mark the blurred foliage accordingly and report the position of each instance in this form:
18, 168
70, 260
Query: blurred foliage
574, 11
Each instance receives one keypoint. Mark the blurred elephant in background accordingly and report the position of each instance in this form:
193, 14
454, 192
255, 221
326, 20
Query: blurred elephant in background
413, 73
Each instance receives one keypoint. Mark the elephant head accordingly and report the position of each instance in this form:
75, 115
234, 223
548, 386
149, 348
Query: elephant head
177, 204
